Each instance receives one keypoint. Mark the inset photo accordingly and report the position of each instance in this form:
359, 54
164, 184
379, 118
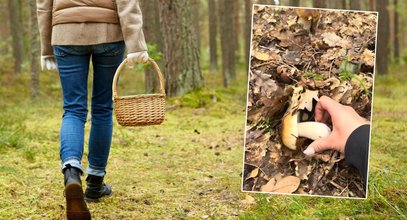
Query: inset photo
309, 101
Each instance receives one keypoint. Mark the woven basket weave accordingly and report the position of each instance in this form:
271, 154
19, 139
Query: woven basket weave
139, 110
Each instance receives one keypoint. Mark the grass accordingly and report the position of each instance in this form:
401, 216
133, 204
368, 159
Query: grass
188, 167
387, 190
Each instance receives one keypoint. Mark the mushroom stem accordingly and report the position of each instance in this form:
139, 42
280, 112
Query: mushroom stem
313, 130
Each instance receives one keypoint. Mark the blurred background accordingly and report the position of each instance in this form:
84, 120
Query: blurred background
216, 33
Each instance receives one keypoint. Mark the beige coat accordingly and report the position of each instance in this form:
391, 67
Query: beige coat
89, 22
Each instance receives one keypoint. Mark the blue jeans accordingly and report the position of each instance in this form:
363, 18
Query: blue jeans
73, 65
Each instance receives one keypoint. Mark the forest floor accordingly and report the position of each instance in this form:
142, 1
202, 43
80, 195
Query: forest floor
190, 166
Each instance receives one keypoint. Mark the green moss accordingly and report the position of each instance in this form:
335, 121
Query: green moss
197, 99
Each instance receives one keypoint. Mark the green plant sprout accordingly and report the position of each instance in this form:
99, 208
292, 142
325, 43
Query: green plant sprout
347, 73
311, 75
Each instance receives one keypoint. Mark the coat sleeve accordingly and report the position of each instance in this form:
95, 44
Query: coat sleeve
44, 14
131, 22
357, 149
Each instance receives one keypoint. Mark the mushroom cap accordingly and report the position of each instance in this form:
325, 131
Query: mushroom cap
289, 131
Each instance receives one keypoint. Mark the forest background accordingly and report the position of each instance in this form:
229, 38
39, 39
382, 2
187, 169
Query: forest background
189, 167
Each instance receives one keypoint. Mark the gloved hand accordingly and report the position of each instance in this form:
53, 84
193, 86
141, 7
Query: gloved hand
48, 62
139, 57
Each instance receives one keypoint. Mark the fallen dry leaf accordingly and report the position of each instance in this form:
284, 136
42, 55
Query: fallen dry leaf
269, 186
253, 174
288, 184
263, 84
334, 40
261, 56
303, 169
340, 91
307, 98
368, 57
323, 157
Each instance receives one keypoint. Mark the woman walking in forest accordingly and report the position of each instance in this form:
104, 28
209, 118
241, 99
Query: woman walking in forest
72, 33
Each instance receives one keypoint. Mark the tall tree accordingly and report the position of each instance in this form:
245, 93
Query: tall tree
383, 37
213, 32
16, 30
355, 5
4, 32
196, 20
151, 28
4, 29
227, 45
35, 50
337, 4
181, 55
294, 3
396, 31
372, 5
247, 30
319, 3
345, 4
266, 2
235, 7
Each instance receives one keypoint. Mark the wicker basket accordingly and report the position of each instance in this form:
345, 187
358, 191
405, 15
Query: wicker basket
139, 110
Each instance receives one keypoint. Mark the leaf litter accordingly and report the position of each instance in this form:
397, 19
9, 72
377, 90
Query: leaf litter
337, 60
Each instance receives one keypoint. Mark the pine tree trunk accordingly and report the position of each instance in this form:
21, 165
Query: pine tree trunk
213, 32
4, 31
266, 2
232, 44
181, 54
355, 5
228, 52
295, 3
196, 19
35, 51
236, 29
151, 28
391, 30
336, 4
247, 30
319, 3
383, 37
396, 32
372, 5
345, 4
16, 30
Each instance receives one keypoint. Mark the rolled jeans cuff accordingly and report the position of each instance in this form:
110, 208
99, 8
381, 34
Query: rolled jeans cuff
95, 171
74, 162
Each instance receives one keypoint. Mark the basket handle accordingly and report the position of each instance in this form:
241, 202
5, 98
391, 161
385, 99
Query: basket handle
156, 68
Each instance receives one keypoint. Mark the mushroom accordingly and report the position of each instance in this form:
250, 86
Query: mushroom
292, 128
